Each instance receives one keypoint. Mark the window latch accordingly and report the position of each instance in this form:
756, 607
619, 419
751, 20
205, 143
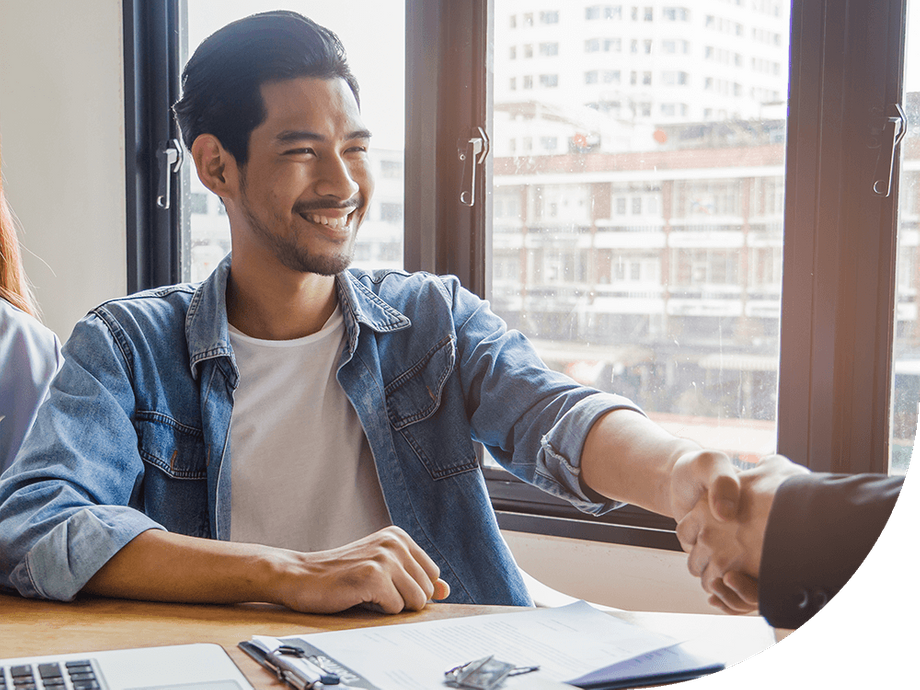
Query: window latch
169, 156
886, 129
472, 150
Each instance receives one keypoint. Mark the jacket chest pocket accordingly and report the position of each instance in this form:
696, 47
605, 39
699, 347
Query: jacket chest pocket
176, 449
425, 406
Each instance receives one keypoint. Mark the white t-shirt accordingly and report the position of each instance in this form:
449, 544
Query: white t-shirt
303, 476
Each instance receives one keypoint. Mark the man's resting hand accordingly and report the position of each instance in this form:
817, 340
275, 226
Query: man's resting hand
386, 570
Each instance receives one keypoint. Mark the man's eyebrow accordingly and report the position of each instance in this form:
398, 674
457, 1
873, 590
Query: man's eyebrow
290, 135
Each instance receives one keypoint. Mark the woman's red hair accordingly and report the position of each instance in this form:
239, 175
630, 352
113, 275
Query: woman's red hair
13, 285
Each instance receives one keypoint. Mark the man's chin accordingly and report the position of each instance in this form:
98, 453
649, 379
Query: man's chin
319, 265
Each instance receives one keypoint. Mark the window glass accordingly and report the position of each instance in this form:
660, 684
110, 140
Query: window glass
906, 359
373, 33
642, 253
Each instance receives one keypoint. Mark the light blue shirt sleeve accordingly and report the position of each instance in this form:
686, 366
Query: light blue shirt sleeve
30, 355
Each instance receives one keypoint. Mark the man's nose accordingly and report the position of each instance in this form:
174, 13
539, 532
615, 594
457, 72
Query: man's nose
336, 179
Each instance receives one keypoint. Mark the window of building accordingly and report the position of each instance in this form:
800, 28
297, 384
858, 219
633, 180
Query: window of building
549, 49
392, 169
391, 212
675, 14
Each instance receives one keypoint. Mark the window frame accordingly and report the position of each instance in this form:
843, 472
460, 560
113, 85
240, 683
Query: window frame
152, 73
839, 241
840, 238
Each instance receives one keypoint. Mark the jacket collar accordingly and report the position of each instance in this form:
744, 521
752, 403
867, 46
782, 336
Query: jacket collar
208, 336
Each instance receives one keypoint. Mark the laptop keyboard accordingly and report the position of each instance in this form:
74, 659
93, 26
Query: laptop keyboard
70, 675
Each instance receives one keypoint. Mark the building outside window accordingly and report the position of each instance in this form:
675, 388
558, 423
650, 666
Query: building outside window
664, 284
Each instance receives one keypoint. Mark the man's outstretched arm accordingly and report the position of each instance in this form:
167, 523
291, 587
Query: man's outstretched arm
627, 457
386, 569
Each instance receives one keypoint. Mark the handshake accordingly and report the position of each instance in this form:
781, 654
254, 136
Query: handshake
725, 549
776, 537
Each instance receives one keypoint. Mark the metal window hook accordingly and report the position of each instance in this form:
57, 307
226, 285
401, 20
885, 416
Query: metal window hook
170, 158
886, 139
472, 150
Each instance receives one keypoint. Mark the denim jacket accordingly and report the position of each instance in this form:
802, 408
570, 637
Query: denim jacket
135, 434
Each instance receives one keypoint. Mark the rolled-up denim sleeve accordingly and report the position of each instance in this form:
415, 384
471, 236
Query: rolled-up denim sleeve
557, 469
70, 501
533, 420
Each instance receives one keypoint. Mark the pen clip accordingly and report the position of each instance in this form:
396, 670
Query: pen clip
318, 677
279, 662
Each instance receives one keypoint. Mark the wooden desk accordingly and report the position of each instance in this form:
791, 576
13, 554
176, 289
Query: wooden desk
31, 627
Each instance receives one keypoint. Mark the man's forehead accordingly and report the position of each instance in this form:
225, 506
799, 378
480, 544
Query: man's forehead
297, 88
302, 103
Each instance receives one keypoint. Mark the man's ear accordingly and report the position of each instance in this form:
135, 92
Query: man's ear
217, 168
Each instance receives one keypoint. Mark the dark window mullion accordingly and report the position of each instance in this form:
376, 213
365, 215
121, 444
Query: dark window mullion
151, 44
838, 263
448, 78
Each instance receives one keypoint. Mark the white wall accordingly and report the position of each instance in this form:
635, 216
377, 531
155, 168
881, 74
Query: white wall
624, 577
62, 123
62, 128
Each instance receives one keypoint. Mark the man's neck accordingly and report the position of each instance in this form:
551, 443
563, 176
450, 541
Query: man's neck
282, 306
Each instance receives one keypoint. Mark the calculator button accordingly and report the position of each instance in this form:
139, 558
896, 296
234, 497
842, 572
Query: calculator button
86, 685
21, 671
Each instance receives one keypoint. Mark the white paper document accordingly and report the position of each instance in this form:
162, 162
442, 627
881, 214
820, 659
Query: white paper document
565, 642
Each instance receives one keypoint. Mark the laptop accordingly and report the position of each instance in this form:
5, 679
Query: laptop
178, 667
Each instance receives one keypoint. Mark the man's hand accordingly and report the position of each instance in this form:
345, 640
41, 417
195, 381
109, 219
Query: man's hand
725, 554
386, 570
708, 476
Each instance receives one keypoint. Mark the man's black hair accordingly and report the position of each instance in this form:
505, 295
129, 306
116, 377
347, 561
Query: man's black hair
222, 80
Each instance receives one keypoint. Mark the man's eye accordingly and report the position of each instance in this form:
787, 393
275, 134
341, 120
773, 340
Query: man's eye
300, 151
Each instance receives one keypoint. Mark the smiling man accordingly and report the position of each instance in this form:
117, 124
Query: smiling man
295, 431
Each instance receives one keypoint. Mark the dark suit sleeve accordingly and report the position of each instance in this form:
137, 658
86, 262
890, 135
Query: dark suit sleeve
820, 529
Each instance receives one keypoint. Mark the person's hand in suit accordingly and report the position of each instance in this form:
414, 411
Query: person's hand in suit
725, 554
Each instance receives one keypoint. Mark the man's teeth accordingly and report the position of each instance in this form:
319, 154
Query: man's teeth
334, 223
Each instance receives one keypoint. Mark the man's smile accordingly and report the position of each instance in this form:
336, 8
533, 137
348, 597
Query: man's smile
333, 222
